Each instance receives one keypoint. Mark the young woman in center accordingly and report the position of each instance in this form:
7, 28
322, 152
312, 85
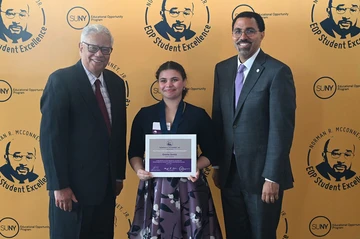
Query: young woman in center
173, 208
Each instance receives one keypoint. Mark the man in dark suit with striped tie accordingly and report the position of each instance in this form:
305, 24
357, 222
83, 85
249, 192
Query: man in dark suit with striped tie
83, 141
254, 116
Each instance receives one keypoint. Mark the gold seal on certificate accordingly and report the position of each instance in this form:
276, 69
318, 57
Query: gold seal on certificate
171, 155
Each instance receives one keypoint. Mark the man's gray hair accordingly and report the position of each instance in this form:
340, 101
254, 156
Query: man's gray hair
95, 29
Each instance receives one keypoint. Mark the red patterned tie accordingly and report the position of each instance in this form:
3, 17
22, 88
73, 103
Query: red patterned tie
102, 105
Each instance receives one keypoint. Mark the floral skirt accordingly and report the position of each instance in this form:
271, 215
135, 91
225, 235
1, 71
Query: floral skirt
174, 208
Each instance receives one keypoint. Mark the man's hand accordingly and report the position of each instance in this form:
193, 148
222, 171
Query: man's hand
270, 192
64, 199
119, 187
216, 177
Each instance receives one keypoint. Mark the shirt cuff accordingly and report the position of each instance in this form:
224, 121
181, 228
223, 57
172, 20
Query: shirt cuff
269, 180
215, 167
119, 180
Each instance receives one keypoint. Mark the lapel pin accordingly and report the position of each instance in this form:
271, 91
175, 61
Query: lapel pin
257, 70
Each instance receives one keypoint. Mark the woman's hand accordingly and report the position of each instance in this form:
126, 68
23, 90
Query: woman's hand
143, 175
138, 165
196, 177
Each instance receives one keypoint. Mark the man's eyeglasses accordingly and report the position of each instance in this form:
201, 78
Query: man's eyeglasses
10, 14
342, 10
94, 48
336, 154
19, 157
248, 32
175, 13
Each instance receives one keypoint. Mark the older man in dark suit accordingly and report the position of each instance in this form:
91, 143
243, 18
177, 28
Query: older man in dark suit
83, 134
254, 115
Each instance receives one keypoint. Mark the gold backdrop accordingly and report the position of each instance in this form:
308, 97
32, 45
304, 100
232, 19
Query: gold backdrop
326, 72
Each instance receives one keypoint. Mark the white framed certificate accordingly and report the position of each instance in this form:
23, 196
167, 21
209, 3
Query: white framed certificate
171, 155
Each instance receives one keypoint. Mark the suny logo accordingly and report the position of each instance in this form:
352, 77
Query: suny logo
78, 18
9, 227
5, 91
320, 226
325, 87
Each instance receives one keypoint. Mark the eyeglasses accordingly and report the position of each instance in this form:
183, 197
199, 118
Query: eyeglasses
94, 48
336, 155
10, 15
248, 32
19, 157
342, 10
174, 13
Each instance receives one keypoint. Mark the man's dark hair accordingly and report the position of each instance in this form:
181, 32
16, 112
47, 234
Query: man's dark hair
259, 20
172, 65
326, 145
329, 4
162, 5
7, 148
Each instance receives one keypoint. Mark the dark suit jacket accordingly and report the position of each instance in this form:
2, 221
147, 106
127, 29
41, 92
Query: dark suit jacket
261, 128
194, 120
76, 148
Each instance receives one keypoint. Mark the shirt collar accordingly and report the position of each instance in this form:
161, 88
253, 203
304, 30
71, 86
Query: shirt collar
92, 78
249, 62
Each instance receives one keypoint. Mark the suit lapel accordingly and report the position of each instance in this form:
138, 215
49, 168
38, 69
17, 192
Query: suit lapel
230, 84
251, 79
112, 96
87, 93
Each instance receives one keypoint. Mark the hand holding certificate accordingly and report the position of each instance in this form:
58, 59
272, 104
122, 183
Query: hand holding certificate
171, 155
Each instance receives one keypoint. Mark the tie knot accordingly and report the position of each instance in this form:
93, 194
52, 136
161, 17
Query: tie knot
241, 68
97, 83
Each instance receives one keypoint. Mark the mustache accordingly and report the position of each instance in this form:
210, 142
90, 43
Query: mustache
345, 21
340, 165
243, 41
178, 25
15, 25
22, 167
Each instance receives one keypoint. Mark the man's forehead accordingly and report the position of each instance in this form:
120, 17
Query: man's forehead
346, 3
181, 4
245, 22
341, 145
18, 5
21, 147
